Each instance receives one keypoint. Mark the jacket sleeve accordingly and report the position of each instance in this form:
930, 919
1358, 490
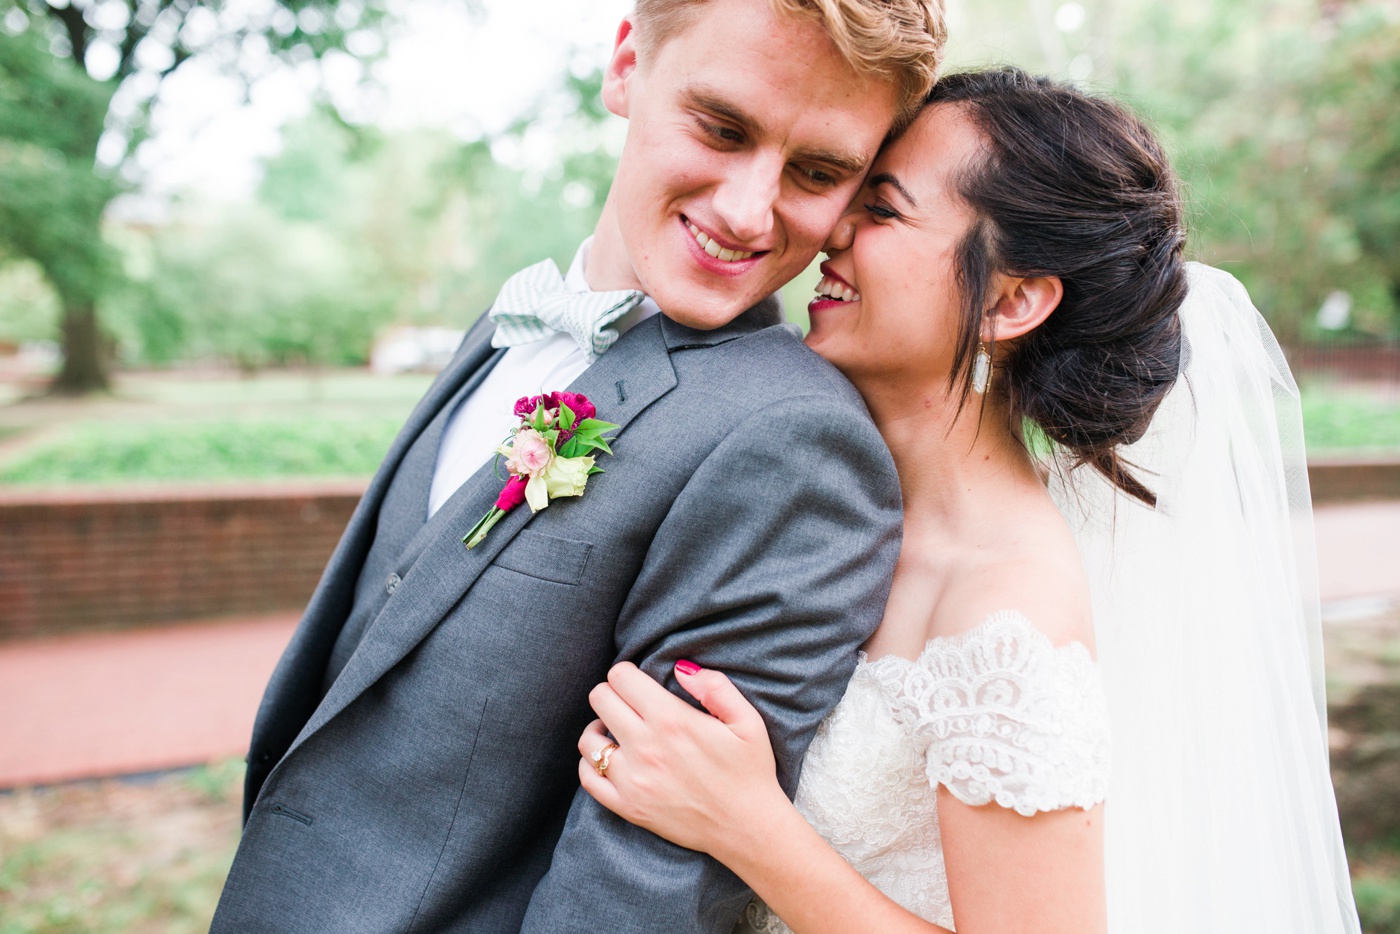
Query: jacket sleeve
773, 566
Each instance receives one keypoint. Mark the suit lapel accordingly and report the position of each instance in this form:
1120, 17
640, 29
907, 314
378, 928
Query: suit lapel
623, 382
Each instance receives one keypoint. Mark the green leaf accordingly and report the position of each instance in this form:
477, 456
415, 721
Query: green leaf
595, 469
566, 417
593, 424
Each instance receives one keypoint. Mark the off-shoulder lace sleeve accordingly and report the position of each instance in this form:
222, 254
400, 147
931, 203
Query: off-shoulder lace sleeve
1004, 715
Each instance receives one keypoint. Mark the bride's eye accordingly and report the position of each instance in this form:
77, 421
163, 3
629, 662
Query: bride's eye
881, 211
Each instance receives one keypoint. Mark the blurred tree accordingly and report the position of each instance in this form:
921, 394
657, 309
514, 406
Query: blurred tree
51, 201
416, 227
1281, 117
1363, 99
123, 49
257, 290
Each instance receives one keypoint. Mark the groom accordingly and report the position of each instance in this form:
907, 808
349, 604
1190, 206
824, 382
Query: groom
413, 764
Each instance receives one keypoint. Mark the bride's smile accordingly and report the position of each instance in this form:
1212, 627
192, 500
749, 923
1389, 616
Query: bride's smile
896, 248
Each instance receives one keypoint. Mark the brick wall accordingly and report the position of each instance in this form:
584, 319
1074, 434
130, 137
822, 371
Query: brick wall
111, 559
1340, 478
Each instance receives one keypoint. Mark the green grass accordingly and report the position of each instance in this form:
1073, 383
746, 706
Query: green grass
1349, 420
180, 427
222, 449
1376, 884
353, 387
118, 857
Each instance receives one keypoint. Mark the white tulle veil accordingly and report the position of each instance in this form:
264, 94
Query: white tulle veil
1220, 815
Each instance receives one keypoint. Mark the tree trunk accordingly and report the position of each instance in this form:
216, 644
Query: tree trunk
84, 353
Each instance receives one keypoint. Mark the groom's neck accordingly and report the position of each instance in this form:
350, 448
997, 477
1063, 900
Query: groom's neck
609, 268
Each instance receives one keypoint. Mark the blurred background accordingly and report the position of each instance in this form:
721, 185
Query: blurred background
237, 238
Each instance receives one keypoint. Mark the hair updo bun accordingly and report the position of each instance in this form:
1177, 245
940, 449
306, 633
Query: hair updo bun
1075, 187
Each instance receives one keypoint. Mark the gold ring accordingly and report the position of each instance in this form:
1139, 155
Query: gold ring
600, 758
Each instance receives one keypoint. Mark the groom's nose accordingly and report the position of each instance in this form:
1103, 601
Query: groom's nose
746, 197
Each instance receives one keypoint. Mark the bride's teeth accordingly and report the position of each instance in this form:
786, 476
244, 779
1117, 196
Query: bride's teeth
727, 255
712, 248
834, 289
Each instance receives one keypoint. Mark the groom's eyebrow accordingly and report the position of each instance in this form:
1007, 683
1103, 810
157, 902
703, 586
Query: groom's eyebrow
848, 163
885, 178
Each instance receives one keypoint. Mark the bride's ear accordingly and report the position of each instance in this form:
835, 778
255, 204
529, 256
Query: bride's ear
1022, 305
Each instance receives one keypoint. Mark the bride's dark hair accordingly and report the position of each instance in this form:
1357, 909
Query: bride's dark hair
1076, 187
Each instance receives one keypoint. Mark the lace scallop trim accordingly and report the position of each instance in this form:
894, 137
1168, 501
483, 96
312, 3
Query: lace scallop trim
1003, 715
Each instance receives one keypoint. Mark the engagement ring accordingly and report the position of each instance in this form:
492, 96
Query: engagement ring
600, 758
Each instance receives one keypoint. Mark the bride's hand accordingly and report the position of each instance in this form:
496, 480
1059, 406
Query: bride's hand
698, 780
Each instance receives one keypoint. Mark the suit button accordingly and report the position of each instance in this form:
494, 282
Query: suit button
392, 584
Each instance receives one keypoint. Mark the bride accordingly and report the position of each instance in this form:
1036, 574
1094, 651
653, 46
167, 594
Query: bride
1008, 294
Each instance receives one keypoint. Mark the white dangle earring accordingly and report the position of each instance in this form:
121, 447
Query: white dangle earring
981, 370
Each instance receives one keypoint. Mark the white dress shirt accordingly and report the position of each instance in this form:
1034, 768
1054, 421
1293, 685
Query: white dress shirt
484, 419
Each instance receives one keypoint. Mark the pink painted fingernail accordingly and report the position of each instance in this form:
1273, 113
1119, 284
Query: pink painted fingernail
688, 668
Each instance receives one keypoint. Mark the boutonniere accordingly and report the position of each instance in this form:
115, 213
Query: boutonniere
548, 455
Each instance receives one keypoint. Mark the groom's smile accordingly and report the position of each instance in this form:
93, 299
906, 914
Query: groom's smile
719, 256
748, 135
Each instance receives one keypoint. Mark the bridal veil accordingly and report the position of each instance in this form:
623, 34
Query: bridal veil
1220, 814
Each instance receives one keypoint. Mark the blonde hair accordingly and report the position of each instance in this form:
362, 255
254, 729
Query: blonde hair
897, 40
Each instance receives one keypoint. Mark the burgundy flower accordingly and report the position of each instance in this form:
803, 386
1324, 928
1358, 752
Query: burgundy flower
513, 494
578, 403
525, 406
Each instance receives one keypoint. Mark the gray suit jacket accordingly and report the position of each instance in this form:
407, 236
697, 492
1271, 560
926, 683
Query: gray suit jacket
749, 520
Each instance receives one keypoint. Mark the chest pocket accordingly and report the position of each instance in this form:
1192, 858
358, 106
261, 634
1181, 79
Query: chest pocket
535, 554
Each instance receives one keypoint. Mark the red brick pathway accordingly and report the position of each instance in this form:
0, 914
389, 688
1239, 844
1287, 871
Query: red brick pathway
112, 704
1358, 550
117, 703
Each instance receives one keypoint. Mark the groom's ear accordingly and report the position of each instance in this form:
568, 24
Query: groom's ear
1021, 306
617, 78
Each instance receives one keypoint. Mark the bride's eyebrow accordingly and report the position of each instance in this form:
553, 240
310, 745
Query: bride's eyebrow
885, 178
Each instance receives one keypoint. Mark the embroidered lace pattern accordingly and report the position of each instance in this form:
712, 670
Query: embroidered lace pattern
996, 715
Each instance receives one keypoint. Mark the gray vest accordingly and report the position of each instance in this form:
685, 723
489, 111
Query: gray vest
400, 535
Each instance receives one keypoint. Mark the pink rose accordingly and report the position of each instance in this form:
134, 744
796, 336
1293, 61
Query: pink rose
530, 454
513, 494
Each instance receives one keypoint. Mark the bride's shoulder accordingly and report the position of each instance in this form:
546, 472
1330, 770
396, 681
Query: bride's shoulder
1037, 576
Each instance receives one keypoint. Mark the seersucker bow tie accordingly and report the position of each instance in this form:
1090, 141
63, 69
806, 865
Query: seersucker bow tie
534, 303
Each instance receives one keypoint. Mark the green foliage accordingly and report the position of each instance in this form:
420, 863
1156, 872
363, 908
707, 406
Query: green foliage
353, 230
52, 114
1280, 116
29, 307
51, 201
207, 449
256, 290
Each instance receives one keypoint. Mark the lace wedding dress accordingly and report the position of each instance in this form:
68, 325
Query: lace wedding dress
997, 715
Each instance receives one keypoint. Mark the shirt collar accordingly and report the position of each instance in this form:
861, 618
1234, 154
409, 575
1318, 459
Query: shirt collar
574, 281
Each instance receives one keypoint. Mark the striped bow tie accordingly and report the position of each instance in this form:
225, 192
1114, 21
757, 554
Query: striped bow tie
534, 304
